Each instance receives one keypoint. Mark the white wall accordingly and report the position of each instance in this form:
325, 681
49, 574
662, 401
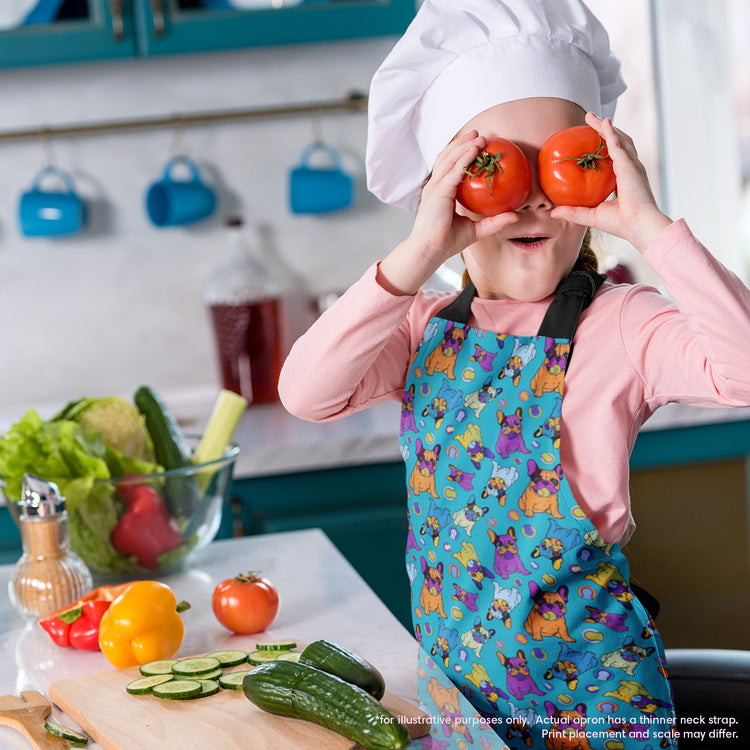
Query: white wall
122, 305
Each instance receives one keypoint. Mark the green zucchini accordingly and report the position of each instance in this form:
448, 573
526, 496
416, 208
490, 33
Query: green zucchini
293, 689
60, 730
182, 493
336, 660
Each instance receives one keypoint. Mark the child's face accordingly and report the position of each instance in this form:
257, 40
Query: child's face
504, 266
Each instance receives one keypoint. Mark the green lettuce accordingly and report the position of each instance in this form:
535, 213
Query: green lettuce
79, 463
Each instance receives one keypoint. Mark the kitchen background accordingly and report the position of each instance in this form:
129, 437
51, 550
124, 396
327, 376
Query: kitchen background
122, 304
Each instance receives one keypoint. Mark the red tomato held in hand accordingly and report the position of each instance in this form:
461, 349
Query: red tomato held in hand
498, 180
245, 604
575, 168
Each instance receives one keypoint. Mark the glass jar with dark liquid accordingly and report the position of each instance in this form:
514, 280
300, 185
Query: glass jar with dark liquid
244, 300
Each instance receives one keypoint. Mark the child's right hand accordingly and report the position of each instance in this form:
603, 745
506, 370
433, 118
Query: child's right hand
439, 231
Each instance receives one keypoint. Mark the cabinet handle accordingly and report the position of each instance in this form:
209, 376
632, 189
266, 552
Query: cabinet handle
157, 16
118, 29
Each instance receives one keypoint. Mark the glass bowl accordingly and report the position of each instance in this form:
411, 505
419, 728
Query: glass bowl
146, 525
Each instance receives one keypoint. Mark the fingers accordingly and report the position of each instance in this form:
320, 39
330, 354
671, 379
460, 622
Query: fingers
575, 214
457, 155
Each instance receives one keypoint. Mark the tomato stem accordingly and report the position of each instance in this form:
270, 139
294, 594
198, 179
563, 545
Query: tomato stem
485, 165
589, 161
249, 577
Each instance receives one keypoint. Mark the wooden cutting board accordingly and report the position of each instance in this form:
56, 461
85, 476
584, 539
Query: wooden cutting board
116, 720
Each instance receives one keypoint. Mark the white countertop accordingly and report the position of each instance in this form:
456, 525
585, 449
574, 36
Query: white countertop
272, 441
321, 597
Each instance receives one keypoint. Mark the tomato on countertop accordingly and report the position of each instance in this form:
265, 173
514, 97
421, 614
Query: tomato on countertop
575, 168
498, 180
246, 603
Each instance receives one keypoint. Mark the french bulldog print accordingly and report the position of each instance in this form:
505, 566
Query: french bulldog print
510, 440
570, 665
501, 479
551, 374
477, 400
540, 496
521, 355
547, 616
422, 477
471, 440
431, 595
443, 357
507, 561
628, 657
466, 517
519, 680
475, 638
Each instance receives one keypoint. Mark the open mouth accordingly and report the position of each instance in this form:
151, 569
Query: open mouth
530, 242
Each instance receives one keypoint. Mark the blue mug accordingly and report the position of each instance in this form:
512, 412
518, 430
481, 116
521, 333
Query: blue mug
51, 213
171, 202
315, 190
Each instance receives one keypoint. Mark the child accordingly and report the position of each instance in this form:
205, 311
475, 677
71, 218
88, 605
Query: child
517, 486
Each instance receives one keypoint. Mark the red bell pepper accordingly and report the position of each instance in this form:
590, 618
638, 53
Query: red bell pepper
77, 624
145, 530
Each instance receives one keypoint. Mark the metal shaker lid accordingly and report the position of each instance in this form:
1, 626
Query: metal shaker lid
39, 497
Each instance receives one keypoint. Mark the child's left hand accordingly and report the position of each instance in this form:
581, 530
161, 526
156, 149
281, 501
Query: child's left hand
632, 214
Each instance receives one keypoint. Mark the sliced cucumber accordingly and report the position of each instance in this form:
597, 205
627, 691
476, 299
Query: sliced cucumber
289, 656
285, 645
208, 687
196, 666
233, 680
163, 666
178, 689
229, 658
263, 657
214, 674
145, 685
67, 734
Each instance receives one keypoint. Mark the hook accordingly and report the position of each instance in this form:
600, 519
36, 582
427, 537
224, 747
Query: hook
317, 125
179, 134
45, 136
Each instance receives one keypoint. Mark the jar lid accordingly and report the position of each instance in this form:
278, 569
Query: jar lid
39, 497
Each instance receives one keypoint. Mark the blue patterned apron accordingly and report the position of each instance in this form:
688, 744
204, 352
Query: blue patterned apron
514, 592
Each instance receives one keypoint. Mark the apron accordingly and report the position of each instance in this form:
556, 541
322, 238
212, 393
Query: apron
514, 592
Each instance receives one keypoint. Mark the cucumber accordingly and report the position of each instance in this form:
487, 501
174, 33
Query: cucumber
338, 661
262, 657
196, 666
230, 657
144, 685
208, 687
294, 689
162, 666
285, 645
289, 656
178, 689
67, 734
171, 449
233, 680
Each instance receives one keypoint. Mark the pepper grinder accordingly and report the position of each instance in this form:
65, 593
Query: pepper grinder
49, 575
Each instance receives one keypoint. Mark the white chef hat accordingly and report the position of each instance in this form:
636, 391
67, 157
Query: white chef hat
460, 57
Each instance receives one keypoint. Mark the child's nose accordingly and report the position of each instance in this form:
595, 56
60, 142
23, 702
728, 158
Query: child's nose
537, 199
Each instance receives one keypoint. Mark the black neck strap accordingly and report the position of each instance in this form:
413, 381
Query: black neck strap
572, 296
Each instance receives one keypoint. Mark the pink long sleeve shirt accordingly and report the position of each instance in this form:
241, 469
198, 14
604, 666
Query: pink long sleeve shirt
635, 350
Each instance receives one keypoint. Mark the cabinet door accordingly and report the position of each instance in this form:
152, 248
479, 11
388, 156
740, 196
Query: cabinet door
170, 26
72, 31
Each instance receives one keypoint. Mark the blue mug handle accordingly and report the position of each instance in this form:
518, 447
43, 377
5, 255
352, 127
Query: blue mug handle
64, 177
333, 154
188, 162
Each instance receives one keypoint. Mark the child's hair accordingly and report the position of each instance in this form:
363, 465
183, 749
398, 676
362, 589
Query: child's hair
587, 260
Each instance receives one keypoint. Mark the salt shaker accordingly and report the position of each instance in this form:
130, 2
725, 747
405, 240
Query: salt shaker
49, 575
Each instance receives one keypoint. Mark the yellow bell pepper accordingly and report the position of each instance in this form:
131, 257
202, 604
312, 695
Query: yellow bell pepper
142, 624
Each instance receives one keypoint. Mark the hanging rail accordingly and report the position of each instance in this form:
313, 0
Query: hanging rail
354, 102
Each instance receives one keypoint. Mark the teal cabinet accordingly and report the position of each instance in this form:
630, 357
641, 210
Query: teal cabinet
91, 32
110, 29
362, 510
